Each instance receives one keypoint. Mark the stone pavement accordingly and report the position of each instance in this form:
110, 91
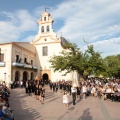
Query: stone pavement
28, 108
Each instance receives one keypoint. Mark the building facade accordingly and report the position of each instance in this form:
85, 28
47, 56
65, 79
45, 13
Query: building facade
29, 61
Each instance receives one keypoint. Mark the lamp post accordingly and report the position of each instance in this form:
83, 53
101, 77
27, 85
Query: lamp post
40, 73
5, 77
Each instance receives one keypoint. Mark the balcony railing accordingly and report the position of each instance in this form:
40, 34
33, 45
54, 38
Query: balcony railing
18, 64
2, 64
21, 65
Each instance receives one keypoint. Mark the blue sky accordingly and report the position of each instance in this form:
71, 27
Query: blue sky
97, 21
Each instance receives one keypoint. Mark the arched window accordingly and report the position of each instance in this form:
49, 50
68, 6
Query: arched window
44, 18
48, 29
42, 29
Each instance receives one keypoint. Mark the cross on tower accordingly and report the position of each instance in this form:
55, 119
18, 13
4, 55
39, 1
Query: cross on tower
46, 8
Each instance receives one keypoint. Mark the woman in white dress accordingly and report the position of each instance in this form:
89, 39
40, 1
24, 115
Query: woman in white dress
84, 90
65, 99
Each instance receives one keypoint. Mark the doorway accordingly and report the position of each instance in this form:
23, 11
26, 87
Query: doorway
17, 77
45, 78
17, 74
32, 76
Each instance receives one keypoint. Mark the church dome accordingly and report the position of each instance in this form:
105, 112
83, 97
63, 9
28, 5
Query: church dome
63, 42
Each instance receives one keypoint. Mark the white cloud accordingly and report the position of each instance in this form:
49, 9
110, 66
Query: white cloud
15, 25
94, 20
108, 47
97, 21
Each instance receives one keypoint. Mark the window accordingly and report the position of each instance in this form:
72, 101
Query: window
44, 18
25, 60
48, 29
1, 57
42, 29
45, 51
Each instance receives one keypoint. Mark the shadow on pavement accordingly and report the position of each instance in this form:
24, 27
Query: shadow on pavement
86, 115
20, 105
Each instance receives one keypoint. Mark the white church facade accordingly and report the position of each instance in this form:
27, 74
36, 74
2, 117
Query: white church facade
24, 61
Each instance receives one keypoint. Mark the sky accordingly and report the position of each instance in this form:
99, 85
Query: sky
95, 21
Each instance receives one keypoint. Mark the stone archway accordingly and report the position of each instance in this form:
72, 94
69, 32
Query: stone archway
48, 72
17, 76
32, 76
25, 76
45, 78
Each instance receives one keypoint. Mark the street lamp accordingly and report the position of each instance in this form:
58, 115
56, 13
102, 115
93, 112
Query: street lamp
5, 77
40, 72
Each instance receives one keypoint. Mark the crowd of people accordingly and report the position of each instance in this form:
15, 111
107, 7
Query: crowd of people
104, 89
35, 89
5, 112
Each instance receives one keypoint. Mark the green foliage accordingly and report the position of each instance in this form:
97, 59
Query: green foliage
72, 58
95, 64
112, 66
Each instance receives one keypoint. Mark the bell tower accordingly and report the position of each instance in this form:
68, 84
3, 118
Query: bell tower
45, 24
45, 27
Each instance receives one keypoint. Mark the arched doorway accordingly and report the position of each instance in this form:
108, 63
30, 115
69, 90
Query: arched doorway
17, 82
32, 76
17, 75
25, 77
45, 78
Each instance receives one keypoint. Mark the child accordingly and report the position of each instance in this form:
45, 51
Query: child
65, 99
42, 95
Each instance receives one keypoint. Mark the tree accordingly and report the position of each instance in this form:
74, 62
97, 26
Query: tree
112, 66
70, 59
95, 63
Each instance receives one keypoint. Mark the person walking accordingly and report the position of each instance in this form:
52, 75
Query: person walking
42, 95
73, 91
29, 89
65, 99
84, 90
11, 84
21, 84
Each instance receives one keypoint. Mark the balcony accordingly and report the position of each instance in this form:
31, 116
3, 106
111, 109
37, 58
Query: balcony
24, 66
2, 64
18, 64
27, 66
35, 68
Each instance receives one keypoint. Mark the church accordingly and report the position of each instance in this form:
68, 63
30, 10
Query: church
30, 61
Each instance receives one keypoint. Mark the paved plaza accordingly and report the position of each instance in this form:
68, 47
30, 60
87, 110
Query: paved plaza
28, 108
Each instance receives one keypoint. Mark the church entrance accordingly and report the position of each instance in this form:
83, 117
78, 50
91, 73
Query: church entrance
45, 78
